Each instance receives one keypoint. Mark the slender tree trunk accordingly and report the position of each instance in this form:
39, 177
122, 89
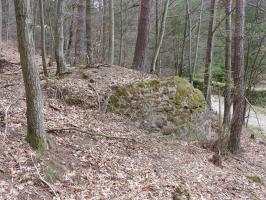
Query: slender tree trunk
157, 34
4, 19
125, 34
111, 33
44, 62
181, 64
197, 42
104, 24
35, 16
239, 99
59, 39
209, 53
89, 32
121, 32
36, 135
0, 23
7, 19
190, 42
79, 56
161, 36
143, 36
70, 39
228, 65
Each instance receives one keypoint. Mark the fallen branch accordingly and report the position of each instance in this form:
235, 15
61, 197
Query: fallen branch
254, 112
6, 117
42, 179
8, 85
89, 132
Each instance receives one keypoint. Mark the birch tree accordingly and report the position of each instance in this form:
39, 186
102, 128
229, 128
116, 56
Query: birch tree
161, 35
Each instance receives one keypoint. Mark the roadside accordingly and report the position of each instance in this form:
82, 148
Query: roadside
258, 121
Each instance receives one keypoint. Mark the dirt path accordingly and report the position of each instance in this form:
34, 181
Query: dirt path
253, 119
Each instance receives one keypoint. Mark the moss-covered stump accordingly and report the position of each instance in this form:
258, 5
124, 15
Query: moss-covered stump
167, 107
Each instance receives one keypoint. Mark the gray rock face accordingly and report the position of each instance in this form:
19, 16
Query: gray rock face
163, 106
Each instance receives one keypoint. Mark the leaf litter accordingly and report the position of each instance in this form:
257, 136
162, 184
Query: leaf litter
79, 166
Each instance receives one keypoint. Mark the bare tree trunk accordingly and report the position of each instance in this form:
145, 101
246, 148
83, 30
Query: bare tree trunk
209, 53
70, 39
89, 32
161, 36
59, 39
143, 36
6, 8
35, 16
197, 42
228, 65
36, 135
239, 99
104, 24
121, 32
44, 63
0, 23
111, 33
190, 42
125, 34
157, 34
79, 57
181, 64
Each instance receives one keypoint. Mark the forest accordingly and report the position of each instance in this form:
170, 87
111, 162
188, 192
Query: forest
133, 99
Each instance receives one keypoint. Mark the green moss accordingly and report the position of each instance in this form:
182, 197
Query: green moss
114, 100
255, 179
38, 143
187, 194
73, 100
121, 91
154, 84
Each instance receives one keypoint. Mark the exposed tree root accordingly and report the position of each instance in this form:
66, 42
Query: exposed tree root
89, 132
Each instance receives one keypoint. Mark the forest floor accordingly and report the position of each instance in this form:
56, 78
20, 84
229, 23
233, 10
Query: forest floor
127, 164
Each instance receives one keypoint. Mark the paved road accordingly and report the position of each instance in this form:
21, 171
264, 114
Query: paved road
252, 120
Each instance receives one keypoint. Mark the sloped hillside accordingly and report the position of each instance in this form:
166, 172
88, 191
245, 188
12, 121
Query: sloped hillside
104, 155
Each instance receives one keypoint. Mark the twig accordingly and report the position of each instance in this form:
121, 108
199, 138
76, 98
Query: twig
6, 117
89, 132
42, 179
97, 94
254, 112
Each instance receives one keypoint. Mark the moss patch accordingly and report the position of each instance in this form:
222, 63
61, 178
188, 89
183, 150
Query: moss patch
38, 143
255, 179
